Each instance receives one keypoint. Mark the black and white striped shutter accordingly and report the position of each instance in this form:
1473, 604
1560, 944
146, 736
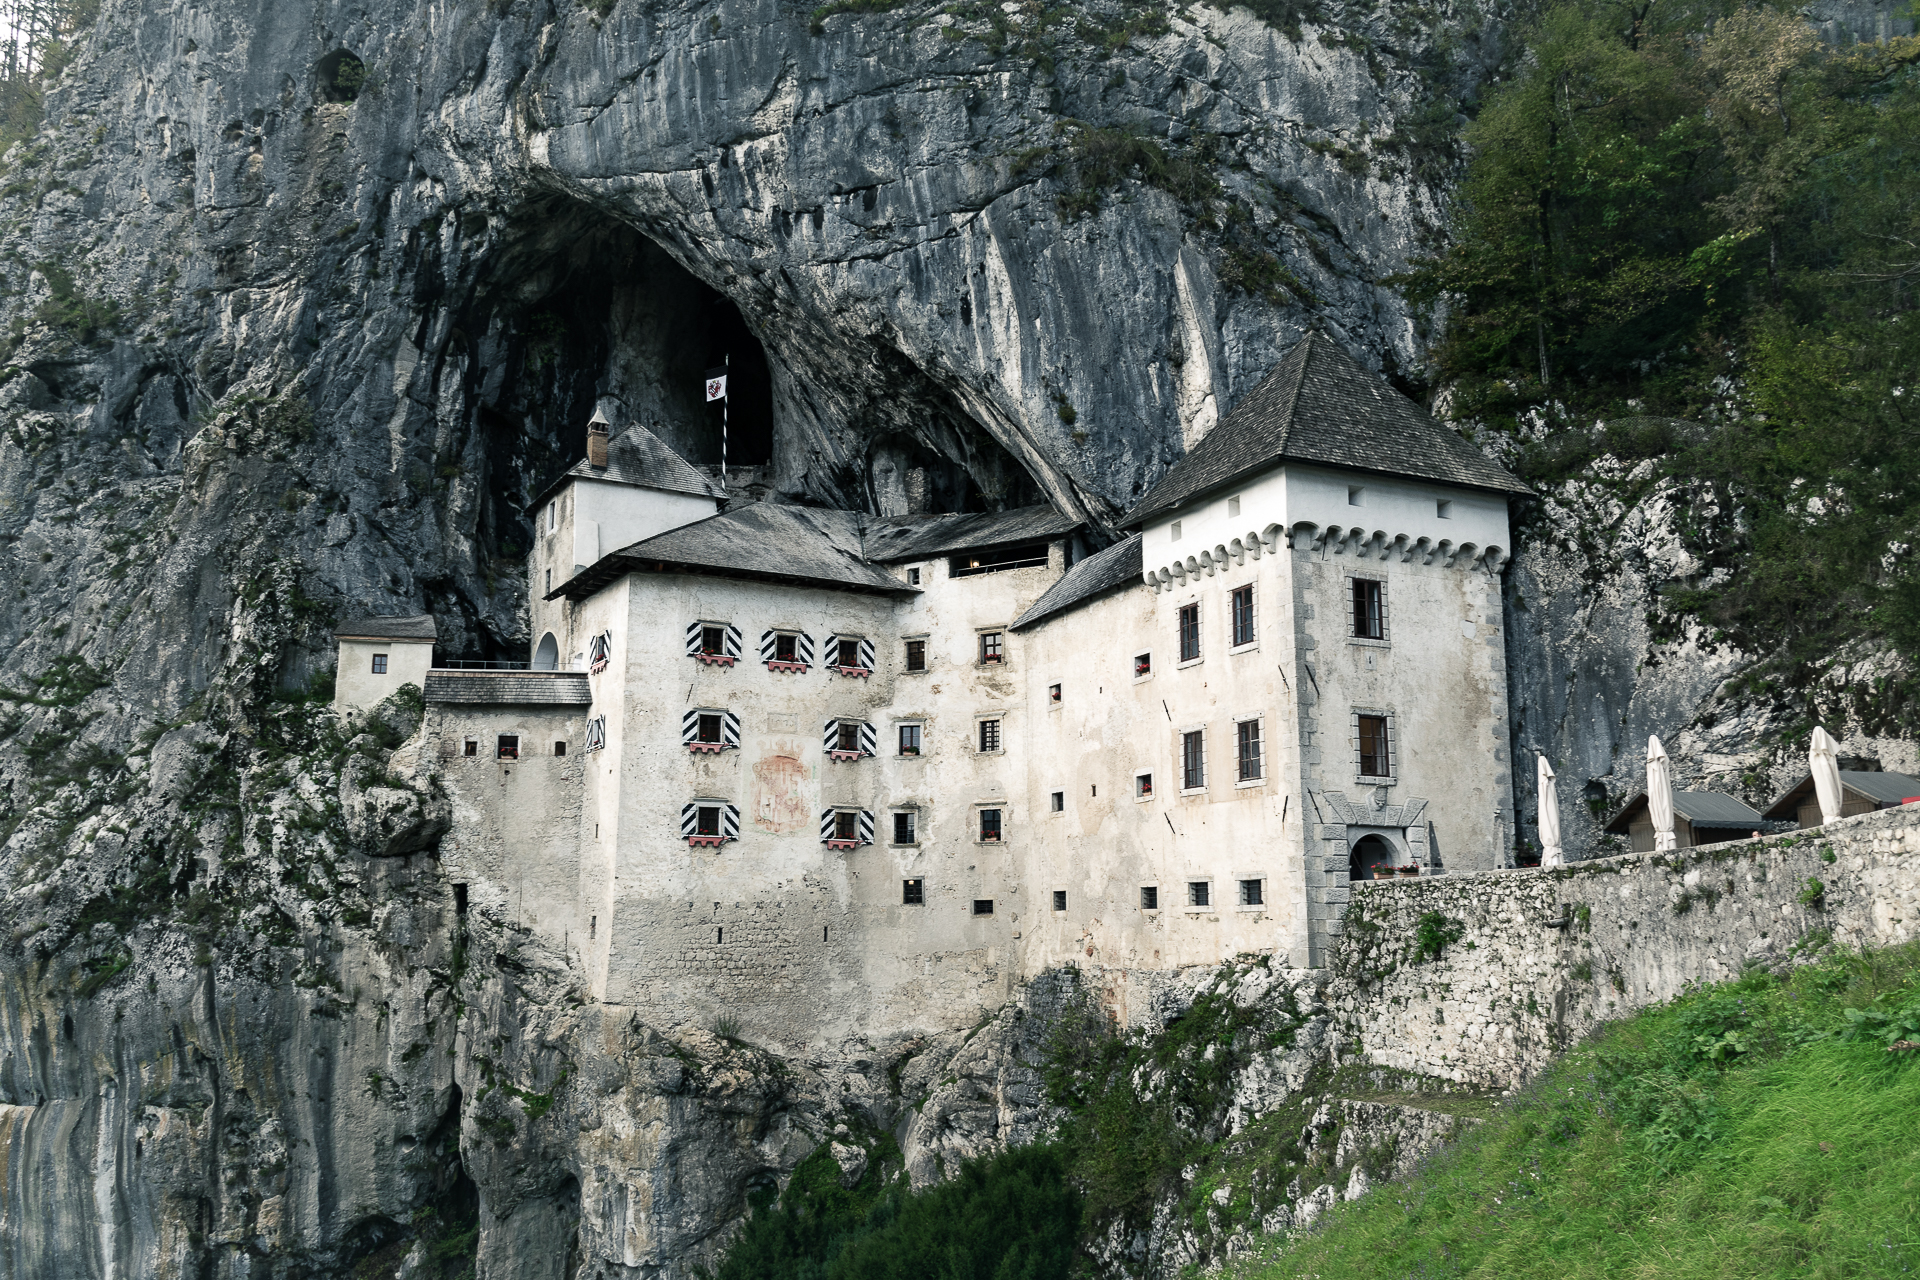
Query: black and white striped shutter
733, 642
689, 820
866, 826
830, 736
866, 654
804, 647
730, 822
729, 728
766, 646
693, 638
689, 727
869, 739
826, 824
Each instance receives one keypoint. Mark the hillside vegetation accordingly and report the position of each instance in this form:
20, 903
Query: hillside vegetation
1766, 1127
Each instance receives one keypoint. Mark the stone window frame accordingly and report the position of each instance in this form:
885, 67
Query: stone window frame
1392, 775
1386, 609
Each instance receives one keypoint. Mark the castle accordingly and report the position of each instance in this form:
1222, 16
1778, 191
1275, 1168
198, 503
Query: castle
824, 772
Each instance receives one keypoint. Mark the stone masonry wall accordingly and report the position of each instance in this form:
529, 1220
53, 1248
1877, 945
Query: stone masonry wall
1543, 956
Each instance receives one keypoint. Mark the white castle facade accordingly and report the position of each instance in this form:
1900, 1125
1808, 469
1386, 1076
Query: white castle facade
828, 773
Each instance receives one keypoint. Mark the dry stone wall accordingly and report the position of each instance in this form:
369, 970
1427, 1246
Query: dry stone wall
1530, 961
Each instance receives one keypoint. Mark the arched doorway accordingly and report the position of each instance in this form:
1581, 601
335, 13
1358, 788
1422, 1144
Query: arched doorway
547, 656
1369, 852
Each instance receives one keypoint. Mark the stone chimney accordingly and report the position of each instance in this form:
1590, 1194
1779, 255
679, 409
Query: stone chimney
597, 440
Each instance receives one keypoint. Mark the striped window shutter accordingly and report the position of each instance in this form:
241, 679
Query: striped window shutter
866, 826
732, 641
830, 736
869, 739
766, 646
689, 820
597, 733
693, 638
826, 824
730, 822
730, 728
689, 726
866, 654
804, 647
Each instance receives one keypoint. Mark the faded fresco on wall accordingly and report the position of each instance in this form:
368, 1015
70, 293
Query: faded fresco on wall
782, 799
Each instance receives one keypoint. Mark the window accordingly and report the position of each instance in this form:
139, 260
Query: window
913, 893
713, 641
559, 748
471, 747
1058, 802
990, 826
989, 735
509, 747
1233, 506
909, 739
983, 906
1053, 693
1143, 785
1193, 759
1367, 609
846, 825
846, 736
1355, 494
1142, 665
992, 646
913, 577
903, 828
1251, 893
786, 648
1189, 632
707, 727
1247, 749
1444, 508
379, 664
1375, 753
1198, 892
1059, 899
1149, 898
916, 655
1242, 600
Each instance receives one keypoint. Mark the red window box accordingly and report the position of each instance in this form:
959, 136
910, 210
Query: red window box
861, 672
706, 842
843, 844
845, 755
716, 659
711, 748
777, 665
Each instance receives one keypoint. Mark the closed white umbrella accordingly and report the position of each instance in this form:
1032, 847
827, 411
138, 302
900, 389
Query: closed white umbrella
1549, 798
1660, 796
1822, 760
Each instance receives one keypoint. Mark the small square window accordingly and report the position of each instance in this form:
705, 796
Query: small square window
1198, 893
471, 747
1149, 898
989, 735
916, 655
913, 893
1142, 665
846, 825
913, 577
1059, 899
1142, 784
909, 739
706, 820
990, 826
1053, 693
559, 748
903, 828
992, 646
1242, 601
983, 906
509, 746
1355, 494
1444, 508
1189, 632
786, 648
1252, 893
379, 664
1058, 801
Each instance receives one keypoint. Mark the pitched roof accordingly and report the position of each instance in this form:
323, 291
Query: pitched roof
1320, 406
895, 538
1118, 566
1701, 808
413, 626
1881, 788
638, 457
761, 540
510, 688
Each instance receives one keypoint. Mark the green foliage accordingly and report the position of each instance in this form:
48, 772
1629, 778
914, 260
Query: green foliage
1757, 1130
1434, 933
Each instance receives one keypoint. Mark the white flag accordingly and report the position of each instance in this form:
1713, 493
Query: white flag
716, 388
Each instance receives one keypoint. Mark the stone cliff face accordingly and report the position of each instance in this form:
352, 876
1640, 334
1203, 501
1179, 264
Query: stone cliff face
305, 299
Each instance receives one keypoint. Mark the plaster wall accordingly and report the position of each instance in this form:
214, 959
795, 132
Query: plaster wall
356, 687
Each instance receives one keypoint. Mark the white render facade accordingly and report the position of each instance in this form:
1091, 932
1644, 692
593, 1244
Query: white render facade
1169, 752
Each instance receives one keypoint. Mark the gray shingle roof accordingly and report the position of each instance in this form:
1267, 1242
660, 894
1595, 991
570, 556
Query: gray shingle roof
413, 626
1118, 566
1320, 406
1701, 808
1881, 788
638, 457
510, 688
761, 540
896, 538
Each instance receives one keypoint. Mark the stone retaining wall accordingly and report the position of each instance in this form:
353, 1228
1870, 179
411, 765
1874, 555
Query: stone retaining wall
1541, 957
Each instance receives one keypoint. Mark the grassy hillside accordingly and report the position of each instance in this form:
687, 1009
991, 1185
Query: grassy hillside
1761, 1128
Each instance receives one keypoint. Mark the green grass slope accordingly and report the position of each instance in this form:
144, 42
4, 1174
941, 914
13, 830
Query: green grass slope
1756, 1129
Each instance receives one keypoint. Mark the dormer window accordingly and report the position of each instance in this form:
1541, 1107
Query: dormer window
709, 823
790, 651
709, 731
850, 739
850, 656
845, 828
713, 644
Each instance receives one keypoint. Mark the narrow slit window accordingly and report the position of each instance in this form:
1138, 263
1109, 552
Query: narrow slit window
1247, 749
1243, 615
1367, 619
916, 655
379, 664
990, 826
1193, 759
1189, 632
913, 893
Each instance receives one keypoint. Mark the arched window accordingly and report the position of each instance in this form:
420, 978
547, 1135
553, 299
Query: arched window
547, 656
